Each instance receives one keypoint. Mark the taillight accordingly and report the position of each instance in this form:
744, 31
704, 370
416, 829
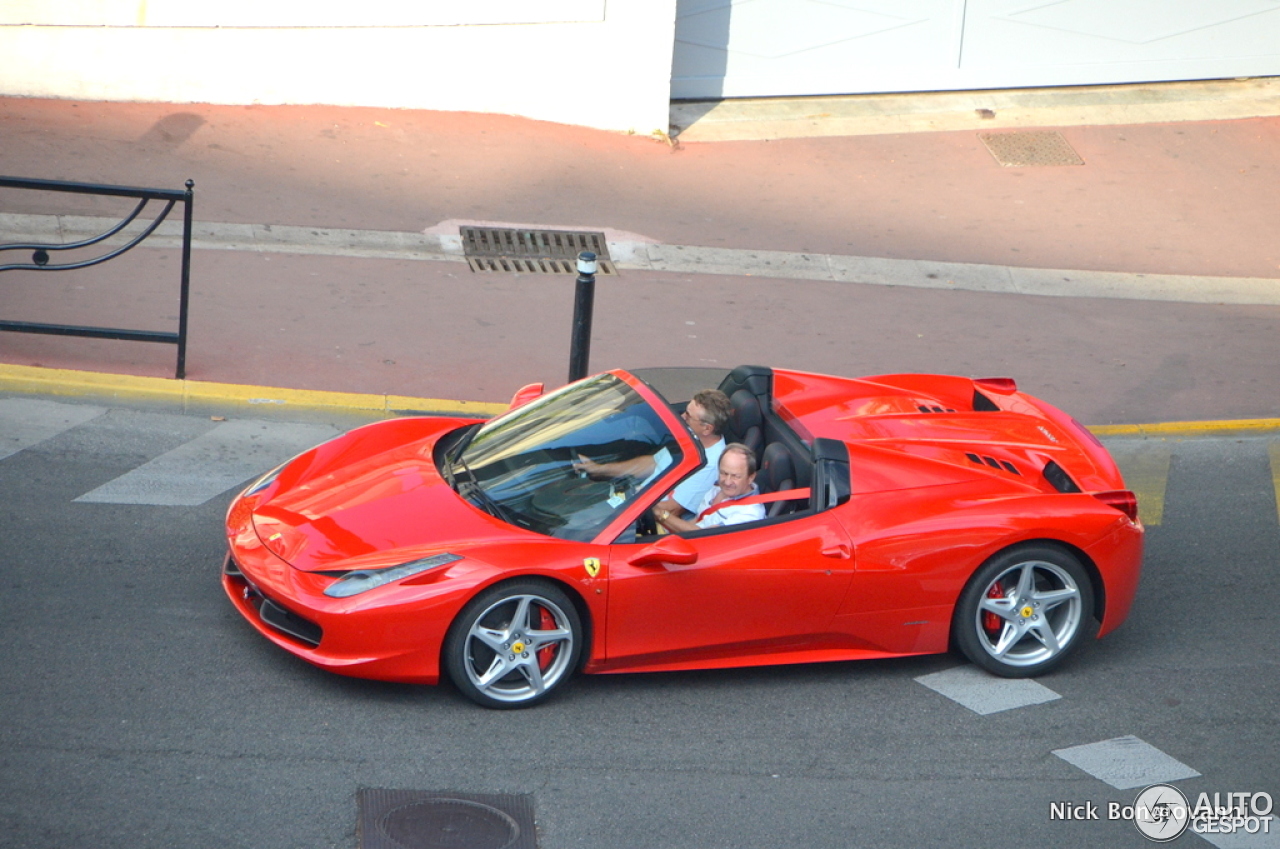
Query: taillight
1003, 385
1121, 499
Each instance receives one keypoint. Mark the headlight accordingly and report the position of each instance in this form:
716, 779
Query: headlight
266, 480
363, 580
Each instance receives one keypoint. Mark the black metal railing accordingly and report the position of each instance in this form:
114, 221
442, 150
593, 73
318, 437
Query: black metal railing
41, 258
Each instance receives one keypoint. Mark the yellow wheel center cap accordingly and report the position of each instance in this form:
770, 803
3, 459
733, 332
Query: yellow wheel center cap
517, 647
1027, 611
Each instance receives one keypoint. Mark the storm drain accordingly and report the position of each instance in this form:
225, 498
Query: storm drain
412, 819
533, 251
1022, 150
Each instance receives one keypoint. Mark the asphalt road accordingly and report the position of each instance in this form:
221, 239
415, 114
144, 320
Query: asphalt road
140, 711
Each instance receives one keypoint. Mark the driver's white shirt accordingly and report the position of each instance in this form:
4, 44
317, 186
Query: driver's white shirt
689, 491
729, 513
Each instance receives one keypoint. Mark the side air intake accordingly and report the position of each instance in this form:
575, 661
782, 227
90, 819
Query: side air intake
983, 404
1059, 479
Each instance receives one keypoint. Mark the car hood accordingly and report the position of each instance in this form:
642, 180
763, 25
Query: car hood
369, 499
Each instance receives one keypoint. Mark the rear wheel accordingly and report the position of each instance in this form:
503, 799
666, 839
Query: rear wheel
514, 645
1025, 611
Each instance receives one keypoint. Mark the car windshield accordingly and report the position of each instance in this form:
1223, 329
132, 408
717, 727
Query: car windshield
520, 466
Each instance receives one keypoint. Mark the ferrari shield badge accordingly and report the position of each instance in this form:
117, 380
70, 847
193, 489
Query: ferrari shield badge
592, 565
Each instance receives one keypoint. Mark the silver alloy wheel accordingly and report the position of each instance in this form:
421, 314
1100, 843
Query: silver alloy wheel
1029, 613
518, 648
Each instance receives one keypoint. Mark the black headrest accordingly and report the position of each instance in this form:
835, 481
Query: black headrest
777, 471
745, 411
757, 380
746, 422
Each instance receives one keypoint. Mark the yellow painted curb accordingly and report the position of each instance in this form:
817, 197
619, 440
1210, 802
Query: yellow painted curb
1187, 428
67, 382
78, 383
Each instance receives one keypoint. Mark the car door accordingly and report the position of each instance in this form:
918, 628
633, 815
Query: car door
757, 589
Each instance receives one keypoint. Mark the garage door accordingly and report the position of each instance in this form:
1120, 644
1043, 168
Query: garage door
762, 48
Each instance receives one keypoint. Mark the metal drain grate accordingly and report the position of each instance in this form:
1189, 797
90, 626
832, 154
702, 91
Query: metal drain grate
532, 251
1022, 150
536, 265
411, 819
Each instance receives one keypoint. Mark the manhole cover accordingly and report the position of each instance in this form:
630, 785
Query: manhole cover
1021, 150
532, 251
408, 819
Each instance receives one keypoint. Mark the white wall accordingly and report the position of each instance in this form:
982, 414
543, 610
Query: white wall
596, 63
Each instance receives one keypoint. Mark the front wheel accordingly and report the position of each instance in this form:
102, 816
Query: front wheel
1025, 611
514, 645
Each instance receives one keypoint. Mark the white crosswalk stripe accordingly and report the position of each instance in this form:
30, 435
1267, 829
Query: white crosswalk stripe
25, 422
983, 693
226, 456
1126, 762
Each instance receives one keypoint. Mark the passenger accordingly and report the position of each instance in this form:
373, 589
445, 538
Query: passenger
707, 415
737, 480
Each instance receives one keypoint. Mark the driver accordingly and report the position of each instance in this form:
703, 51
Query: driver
706, 415
737, 480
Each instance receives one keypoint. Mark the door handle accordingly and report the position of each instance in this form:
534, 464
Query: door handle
839, 550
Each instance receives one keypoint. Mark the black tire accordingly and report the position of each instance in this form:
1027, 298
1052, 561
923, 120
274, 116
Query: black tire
1025, 612
514, 645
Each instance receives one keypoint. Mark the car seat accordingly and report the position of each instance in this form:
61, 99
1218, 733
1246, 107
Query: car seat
746, 422
778, 473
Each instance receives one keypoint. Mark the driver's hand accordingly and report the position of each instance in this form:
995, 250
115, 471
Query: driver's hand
586, 466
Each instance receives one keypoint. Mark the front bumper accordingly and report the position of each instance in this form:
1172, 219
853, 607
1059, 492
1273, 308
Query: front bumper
397, 640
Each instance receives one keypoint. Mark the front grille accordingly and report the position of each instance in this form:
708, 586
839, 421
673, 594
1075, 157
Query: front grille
289, 623
231, 568
273, 615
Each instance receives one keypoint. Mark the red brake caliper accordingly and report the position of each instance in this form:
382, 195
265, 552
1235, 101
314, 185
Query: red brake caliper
546, 622
990, 621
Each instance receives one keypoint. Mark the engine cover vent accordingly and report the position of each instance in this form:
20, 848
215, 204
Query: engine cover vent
978, 460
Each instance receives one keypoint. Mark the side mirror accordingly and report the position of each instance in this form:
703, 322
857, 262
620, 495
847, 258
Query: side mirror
525, 394
669, 549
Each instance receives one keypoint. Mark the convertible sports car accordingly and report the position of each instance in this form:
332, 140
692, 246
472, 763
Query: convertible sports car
906, 514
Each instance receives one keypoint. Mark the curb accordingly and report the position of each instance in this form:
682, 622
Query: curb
66, 382
754, 119
1204, 428
629, 254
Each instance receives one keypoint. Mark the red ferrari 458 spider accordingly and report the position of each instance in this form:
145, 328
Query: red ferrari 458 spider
904, 514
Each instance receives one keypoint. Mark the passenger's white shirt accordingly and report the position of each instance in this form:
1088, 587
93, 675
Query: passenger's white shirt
728, 512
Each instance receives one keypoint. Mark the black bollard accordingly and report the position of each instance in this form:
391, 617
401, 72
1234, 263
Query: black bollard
583, 304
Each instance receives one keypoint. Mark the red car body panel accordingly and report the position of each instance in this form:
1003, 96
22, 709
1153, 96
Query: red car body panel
937, 487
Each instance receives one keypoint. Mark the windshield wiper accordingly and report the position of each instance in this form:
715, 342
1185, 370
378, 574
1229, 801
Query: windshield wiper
455, 453
486, 502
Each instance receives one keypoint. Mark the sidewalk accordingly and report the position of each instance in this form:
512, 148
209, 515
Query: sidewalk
328, 254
